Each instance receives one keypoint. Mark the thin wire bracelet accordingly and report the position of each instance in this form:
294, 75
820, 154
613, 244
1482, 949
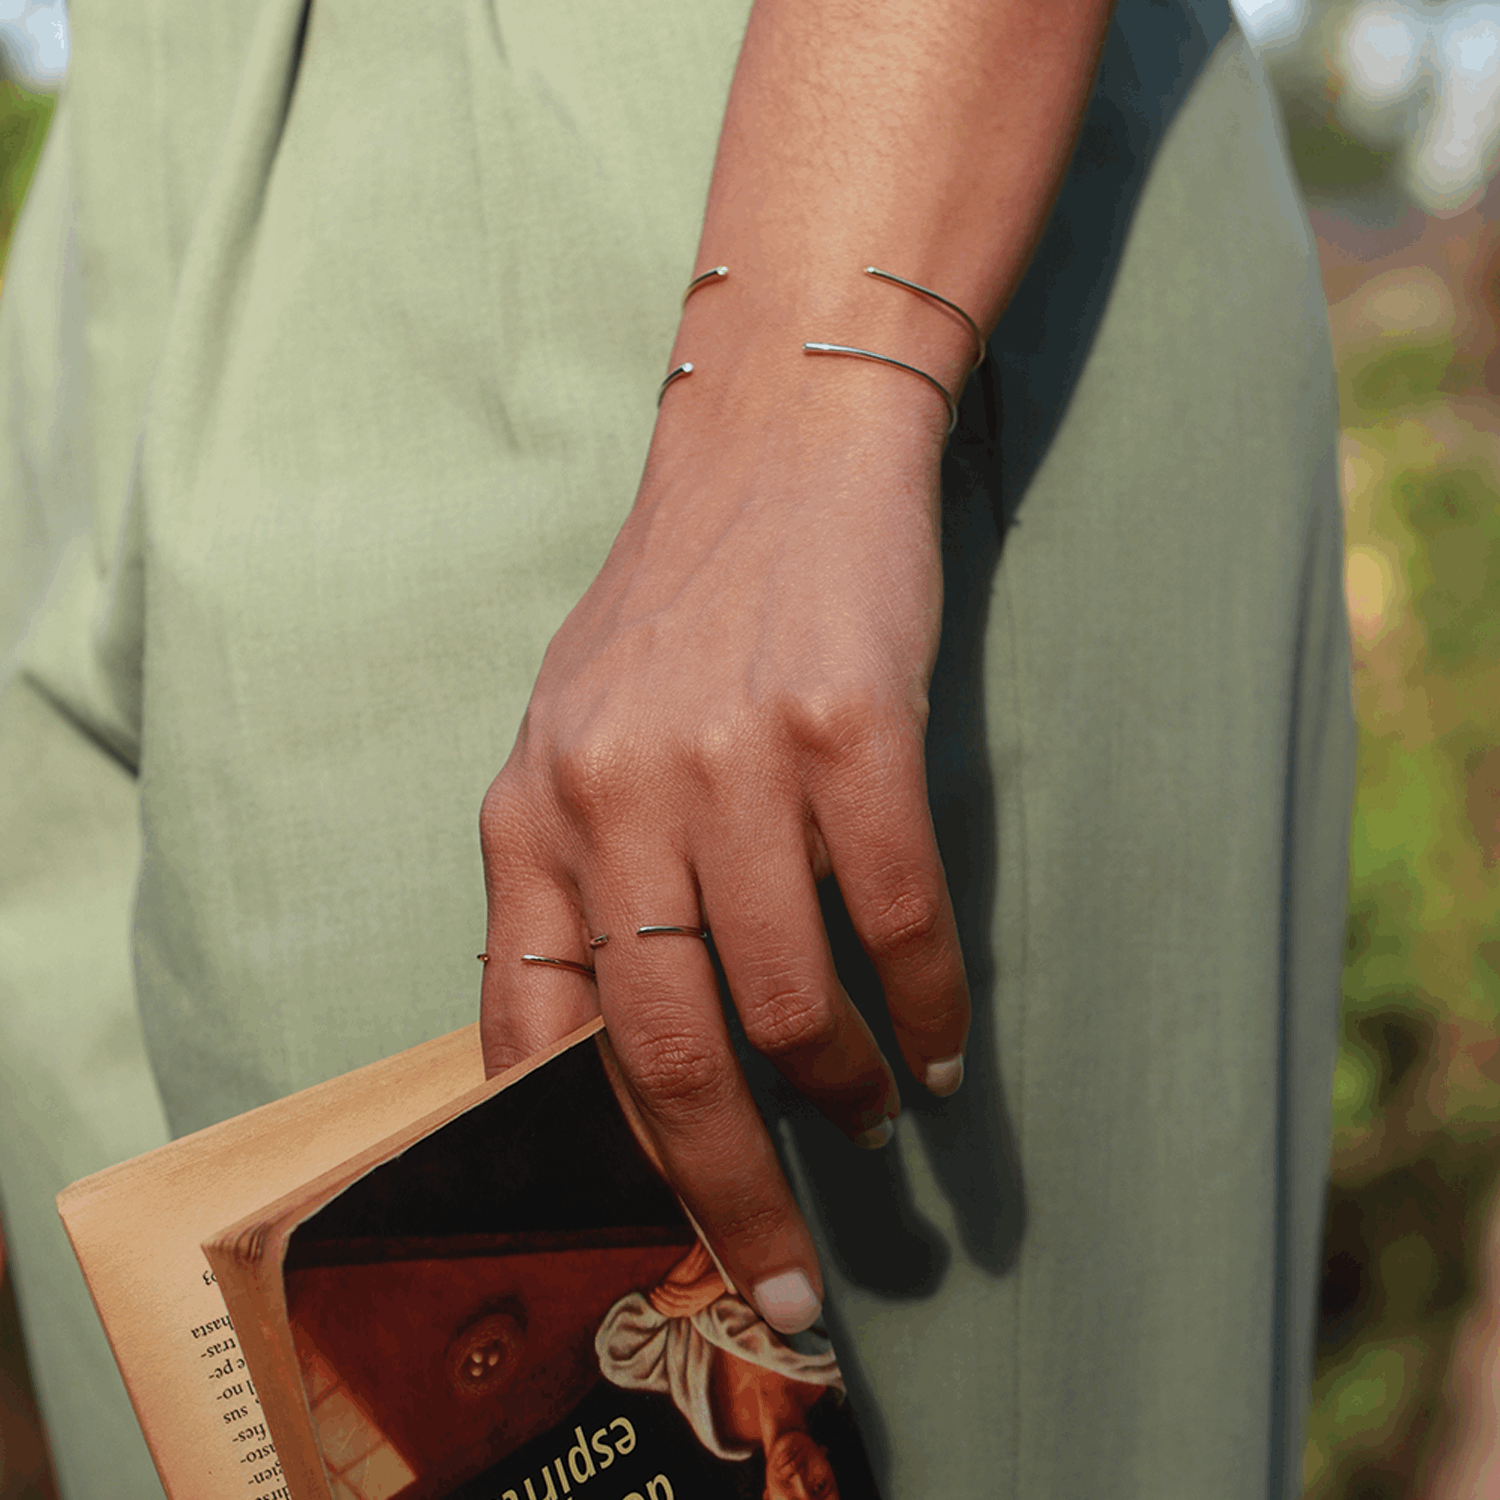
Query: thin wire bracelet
717, 273
927, 291
900, 364
676, 374
713, 274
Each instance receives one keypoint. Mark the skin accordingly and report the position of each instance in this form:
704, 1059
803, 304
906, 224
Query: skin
736, 707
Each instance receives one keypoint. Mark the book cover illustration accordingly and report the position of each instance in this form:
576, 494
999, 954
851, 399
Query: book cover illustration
517, 1308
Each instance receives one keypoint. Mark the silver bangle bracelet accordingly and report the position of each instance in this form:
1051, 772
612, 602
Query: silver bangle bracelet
714, 273
673, 374
717, 273
927, 291
900, 364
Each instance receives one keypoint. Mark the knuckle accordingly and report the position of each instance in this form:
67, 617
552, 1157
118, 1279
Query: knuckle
512, 831
718, 750
675, 1072
850, 720
499, 813
750, 1221
790, 1019
909, 920
832, 721
590, 772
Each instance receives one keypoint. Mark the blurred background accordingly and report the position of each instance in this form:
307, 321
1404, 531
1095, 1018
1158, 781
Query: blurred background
1392, 112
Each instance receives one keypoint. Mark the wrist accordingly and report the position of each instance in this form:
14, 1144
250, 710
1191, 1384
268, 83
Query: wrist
745, 336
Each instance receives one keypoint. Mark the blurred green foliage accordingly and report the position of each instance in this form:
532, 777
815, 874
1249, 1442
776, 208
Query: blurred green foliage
1326, 156
24, 119
1416, 1094
1454, 581
1416, 1091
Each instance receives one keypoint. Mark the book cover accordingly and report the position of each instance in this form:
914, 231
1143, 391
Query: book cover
515, 1305
497, 1298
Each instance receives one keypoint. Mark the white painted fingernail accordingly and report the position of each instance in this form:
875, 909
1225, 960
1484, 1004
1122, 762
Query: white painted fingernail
944, 1076
876, 1136
787, 1302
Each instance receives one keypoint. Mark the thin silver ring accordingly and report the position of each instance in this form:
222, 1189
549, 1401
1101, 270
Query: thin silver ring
900, 364
663, 930
718, 273
672, 375
927, 291
587, 970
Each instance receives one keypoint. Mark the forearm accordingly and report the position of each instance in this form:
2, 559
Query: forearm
927, 137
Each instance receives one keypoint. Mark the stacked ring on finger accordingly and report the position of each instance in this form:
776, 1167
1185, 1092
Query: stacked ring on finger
587, 970
661, 929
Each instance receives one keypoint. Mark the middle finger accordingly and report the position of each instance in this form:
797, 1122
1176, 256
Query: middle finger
659, 998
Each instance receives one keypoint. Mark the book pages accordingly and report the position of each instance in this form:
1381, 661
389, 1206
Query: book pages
137, 1229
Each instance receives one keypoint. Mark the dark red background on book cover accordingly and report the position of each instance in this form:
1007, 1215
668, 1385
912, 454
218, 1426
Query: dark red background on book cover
507, 1236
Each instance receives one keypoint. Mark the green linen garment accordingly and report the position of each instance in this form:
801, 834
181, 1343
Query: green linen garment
329, 348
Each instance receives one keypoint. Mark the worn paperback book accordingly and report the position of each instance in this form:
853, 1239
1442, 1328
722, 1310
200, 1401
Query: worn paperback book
411, 1283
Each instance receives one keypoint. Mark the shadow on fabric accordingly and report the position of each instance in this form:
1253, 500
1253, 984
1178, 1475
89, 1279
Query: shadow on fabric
1008, 418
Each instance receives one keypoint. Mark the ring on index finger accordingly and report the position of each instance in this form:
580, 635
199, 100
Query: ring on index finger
665, 930
587, 970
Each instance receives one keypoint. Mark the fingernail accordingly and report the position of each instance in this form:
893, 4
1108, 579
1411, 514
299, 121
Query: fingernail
945, 1075
787, 1302
876, 1136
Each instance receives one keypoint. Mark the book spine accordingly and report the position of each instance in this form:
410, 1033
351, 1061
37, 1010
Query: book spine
250, 1279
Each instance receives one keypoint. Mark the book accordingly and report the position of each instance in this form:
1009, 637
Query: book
413, 1283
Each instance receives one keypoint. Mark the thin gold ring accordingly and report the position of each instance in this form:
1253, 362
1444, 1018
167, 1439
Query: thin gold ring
587, 970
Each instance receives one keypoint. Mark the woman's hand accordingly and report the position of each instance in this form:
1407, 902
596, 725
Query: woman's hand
734, 710
736, 707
